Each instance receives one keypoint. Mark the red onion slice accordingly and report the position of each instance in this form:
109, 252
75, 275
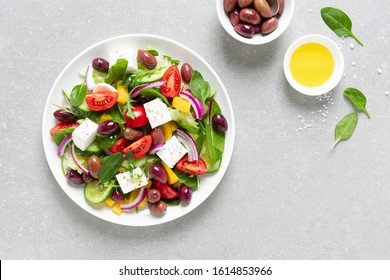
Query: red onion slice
63, 145
154, 149
140, 197
196, 103
188, 142
89, 79
83, 169
135, 92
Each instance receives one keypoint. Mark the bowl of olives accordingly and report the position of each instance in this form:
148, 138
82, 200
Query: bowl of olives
255, 22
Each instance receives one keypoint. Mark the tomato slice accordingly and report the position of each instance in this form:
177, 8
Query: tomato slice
102, 100
140, 117
140, 147
172, 79
118, 146
196, 167
62, 126
166, 191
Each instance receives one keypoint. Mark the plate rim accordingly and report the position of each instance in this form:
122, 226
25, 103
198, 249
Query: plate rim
227, 152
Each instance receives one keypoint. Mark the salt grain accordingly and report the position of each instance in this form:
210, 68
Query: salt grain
379, 71
351, 46
353, 63
386, 93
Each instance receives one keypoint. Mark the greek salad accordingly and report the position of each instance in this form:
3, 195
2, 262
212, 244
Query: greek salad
139, 131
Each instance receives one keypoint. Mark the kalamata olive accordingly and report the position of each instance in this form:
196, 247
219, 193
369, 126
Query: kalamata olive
245, 3
100, 64
87, 178
245, 30
281, 7
186, 72
263, 8
220, 123
132, 134
94, 165
74, 177
257, 28
147, 59
157, 208
249, 15
158, 135
153, 195
63, 116
269, 25
108, 128
234, 17
229, 5
185, 193
158, 173
117, 195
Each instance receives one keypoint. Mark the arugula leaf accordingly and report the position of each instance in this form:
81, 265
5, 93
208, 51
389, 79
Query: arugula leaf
200, 88
214, 141
78, 94
339, 22
109, 167
115, 114
171, 60
117, 71
358, 99
345, 128
130, 107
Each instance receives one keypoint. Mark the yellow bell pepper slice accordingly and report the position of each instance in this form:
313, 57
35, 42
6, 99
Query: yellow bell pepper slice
123, 93
168, 129
172, 177
109, 202
181, 104
104, 118
117, 209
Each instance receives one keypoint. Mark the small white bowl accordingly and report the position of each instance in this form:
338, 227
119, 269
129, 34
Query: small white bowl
338, 64
257, 39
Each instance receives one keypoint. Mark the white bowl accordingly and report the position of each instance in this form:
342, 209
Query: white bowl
338, 64
257, 39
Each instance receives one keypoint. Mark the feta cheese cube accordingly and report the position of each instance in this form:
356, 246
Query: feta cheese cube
85, 134
172, 152
129, 181
129, 54
157, 112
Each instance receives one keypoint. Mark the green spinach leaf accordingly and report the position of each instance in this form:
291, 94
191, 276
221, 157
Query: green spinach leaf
115, 114
109, 167
358, 99
77, 96
106, 142
152, 52
200, 88
345, 128
117, 71
189, 180
339, 22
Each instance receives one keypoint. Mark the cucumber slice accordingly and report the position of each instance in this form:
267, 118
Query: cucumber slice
96, 193
92, 150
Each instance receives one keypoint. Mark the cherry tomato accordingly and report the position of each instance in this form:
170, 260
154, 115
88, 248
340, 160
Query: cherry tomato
196, 167
166, 191
101, 100
172, 79
140, 117
118, 146
140, 147
61, 126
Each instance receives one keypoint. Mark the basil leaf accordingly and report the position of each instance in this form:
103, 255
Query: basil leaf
199, 87
117, 71
189, 180
109, 167
358, 99
339, 22
345, 128
77, 96
115, 114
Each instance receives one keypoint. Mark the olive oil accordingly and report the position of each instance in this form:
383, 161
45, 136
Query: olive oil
312, 64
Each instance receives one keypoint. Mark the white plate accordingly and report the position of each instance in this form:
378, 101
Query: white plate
69, 77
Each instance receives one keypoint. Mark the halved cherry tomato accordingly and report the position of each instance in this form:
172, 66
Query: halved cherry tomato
166, 191
101, 100
172, 79
196, 167
118, 146
140, 117
62, 126
140, 147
